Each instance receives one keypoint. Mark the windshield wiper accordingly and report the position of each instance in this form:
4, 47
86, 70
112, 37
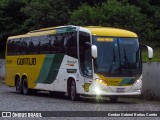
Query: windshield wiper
125, 65
114, 56
119, 52
125, 56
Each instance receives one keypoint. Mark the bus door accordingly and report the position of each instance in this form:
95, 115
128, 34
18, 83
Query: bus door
85, 59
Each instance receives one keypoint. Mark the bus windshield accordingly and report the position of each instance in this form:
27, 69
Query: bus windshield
117, 56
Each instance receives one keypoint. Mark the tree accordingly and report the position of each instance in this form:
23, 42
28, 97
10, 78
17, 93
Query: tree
46, 13
11, 19
110, 13
85, 15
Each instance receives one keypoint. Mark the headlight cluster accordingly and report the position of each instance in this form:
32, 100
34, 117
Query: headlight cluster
138, 80
101, 81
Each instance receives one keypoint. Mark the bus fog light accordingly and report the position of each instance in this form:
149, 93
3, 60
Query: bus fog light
98, 91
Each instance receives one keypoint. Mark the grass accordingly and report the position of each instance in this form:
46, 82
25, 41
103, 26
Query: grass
156, 56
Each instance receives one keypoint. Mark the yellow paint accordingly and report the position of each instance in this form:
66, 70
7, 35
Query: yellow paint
105, 39
86, 86
112, 32
111, 81
31, 71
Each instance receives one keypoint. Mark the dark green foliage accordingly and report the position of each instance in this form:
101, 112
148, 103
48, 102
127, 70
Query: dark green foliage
10, 21
140, 16
45, 13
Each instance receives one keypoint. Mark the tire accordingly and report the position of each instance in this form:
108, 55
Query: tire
25, 87
113, 99
18, 86
73, 94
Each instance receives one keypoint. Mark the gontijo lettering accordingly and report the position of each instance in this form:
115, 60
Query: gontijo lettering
26, 61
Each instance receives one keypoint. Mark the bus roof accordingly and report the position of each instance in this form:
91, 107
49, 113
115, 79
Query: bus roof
95, 30
112, 32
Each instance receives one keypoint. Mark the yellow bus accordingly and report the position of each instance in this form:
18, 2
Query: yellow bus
91, 60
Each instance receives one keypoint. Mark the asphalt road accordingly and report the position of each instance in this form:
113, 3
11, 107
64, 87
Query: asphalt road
42, 101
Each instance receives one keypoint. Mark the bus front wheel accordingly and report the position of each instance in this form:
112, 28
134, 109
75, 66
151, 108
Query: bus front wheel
74, 96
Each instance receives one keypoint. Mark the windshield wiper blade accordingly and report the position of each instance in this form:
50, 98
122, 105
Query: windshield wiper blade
125, 56
114, 56
113, 63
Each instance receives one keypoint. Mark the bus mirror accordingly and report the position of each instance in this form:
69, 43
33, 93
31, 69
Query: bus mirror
150, 52
94, 51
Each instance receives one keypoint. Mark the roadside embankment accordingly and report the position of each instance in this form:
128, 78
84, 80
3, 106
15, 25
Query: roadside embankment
2, 70
151, 80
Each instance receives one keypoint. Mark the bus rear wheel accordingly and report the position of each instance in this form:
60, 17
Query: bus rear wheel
18, 86
25, 86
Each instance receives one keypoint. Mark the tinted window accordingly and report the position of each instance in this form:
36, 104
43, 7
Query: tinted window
48, 44
85, 53
70, 44
23, 46
34, 45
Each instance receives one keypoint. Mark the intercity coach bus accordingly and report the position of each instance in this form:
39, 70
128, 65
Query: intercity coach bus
93, 60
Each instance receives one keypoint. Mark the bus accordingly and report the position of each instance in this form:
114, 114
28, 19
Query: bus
76, 61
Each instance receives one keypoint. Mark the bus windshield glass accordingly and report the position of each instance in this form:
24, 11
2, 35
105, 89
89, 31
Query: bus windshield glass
117, 56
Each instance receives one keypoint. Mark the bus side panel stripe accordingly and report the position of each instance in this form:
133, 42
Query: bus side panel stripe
50, 68
45, 69
56, 63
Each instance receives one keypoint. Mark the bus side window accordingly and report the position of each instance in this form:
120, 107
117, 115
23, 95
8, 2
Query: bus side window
52, 41
17, 46
23, 46
36, 46
59, 43
70, 43
13, 47
49, 44
9, 47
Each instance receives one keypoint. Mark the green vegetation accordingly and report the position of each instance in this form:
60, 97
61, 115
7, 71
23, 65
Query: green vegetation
140, 16
156, 56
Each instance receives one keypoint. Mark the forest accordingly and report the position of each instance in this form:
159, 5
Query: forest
140, 16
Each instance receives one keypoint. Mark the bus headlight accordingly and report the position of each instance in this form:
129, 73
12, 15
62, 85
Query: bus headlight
101, 81
138, 81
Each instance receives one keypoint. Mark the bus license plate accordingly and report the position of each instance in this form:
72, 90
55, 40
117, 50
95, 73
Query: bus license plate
120, 89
